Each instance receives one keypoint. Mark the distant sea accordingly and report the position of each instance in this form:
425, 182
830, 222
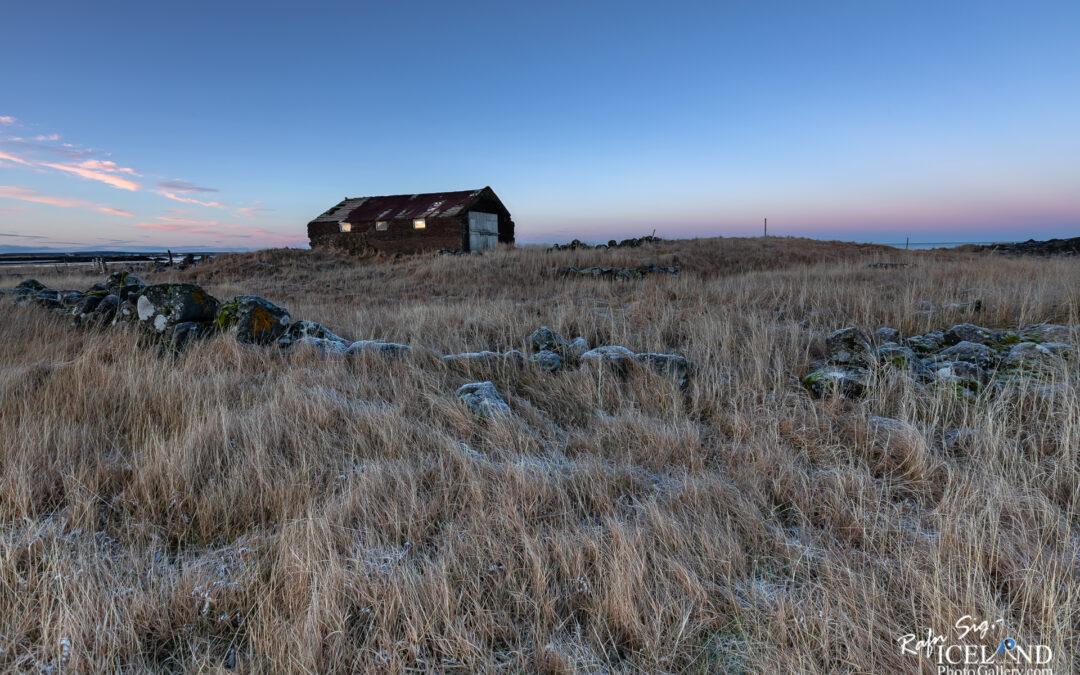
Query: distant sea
935, 244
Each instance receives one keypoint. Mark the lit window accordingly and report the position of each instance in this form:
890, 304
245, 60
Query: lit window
346, 227
381, 225
419, 224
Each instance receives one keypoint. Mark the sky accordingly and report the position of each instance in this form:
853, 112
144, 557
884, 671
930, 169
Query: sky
231, 125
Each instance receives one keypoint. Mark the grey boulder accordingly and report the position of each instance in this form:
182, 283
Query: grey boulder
841, 381
967, 332
544, 338
302, 329
162, 306
667, 364
547, 360
391, 349
971, 352
259, 321
882, 335
615, 356
322, 345
849, 346
578, 346
483, 399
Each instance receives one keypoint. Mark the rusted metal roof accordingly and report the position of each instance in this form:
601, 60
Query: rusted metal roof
390, 207
339, 212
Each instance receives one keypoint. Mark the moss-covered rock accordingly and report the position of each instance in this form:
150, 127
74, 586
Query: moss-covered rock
225, 318
971, 352
849, 346
162, 306
967, 332
259, 321
926, 343
841, 381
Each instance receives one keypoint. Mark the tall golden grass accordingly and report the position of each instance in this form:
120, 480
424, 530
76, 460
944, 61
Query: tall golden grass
239, 508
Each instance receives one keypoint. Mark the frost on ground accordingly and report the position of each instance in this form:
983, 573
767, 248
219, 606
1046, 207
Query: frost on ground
269, 510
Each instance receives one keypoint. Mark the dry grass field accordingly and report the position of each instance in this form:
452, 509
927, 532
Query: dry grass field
235, 507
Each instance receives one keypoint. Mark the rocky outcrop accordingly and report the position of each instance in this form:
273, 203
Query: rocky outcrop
966, 356
633, 242
1050, 247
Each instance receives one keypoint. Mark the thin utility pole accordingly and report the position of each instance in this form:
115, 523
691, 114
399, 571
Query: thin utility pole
907, 242
766, 227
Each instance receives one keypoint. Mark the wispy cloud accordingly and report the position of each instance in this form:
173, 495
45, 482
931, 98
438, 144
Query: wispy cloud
252, 211
189, 200
22, 236
27, 195
64, 149
47, 137
183, 186
7, 156
103, 176
214, 228
6, 120
107, 166
115, 212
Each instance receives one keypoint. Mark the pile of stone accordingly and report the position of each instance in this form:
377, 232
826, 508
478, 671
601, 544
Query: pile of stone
633, 242
617, 273
1051, 247
968, 357
178, 314
552, 353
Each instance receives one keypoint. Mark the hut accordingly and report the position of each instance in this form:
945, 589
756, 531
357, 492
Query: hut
467, 220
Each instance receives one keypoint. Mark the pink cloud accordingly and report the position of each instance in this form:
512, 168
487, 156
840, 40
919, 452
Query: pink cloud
6, 120
23, 194
189, 200
213, 228
251, 211
115, 212
107, 178
183, 186
48, 137
27, 195
105, 165
12, 158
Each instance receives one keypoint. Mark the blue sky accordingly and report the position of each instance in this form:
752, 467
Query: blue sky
153, 124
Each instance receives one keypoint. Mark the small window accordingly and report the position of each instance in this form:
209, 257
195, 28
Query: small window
381, 225
419, 223
346, 227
